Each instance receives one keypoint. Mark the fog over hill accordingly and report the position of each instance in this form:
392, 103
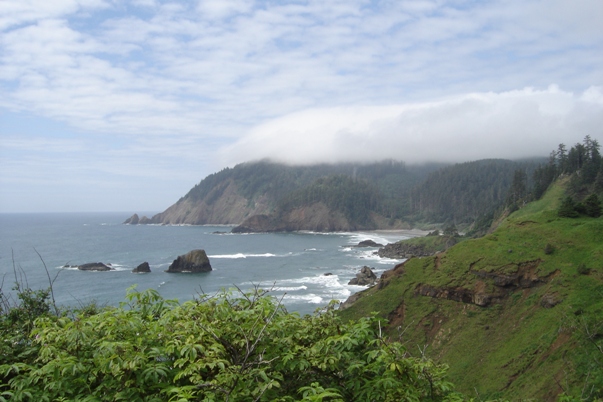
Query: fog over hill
514, 124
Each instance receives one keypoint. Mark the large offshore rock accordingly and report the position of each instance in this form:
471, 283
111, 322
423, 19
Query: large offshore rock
94, 266
194, 261
142, 268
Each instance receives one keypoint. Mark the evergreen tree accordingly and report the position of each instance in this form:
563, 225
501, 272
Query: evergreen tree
543, 177
562, 164
568, 208
451, 230
519, 187
592, 161
598, 185
592, 206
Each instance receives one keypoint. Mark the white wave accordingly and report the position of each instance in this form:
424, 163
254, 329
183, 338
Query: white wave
370, 255
241, 255
238, 255
70, 267
289, 288
119, 267
329, 281
308, 298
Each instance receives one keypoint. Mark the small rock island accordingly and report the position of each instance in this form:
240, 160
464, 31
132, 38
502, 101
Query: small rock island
194, 261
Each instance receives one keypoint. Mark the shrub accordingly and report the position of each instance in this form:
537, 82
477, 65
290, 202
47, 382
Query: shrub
582, 269
549, 249
245, 348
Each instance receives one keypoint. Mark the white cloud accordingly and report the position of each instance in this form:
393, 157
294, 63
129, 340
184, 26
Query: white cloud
514, 124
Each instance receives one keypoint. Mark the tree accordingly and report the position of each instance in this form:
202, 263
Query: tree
519, 187
451, 230
592, 161
568, 208
562, 163
592, 206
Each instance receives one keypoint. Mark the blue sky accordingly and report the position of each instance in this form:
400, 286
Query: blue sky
113, 105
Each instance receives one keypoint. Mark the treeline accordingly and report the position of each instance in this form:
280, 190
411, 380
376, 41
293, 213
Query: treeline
583, 162
462, 194
274, 181
355, 198
467, 191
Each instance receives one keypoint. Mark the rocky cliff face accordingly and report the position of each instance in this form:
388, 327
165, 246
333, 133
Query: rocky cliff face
228, 207
316, 217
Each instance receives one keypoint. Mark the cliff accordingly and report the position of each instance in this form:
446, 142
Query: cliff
516, 314
235, 194
317, 217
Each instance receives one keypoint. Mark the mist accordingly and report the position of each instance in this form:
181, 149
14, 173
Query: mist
511, 125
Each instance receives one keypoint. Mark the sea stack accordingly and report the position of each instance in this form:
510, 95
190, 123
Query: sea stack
194, 261
142, 268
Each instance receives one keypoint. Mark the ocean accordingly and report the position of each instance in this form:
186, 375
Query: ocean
306, 269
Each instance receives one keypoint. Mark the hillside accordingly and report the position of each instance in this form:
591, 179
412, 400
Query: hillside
516, 314
235, 194
266, 196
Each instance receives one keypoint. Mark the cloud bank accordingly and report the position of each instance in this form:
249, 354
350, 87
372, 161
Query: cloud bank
514, 124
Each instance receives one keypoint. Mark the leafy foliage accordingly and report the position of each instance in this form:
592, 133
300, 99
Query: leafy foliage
220, 348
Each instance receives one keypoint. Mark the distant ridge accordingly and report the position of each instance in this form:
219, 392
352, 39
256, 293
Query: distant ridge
384, 195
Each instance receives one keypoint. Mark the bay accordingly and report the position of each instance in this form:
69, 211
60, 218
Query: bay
306, 270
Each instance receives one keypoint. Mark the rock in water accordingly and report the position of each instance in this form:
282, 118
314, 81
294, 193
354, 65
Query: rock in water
365, 277
142, 268
194, 261
133, 220
94, 266
369, 243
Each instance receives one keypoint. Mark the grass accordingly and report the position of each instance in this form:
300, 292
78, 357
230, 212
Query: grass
519, 347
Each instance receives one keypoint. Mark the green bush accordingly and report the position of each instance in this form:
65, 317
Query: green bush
246, 348
582, 269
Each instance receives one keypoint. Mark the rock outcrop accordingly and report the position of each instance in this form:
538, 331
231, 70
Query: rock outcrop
317, 217
366, 277
136, 220
369, 243
194, 261
132, 220
142, 268
406, 249
260, 223
493, 287
224, 205
94, 266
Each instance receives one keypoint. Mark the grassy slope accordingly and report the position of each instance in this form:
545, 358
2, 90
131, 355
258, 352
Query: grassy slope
516, 348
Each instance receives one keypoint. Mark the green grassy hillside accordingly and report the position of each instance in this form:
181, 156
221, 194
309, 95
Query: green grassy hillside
516, 314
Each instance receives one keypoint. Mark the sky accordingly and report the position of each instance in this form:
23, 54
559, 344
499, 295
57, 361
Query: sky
110, 105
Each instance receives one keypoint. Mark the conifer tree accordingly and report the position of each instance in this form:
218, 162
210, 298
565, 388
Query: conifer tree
592, 206
568, 208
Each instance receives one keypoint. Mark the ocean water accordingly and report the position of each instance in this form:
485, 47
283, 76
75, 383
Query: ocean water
291, 265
